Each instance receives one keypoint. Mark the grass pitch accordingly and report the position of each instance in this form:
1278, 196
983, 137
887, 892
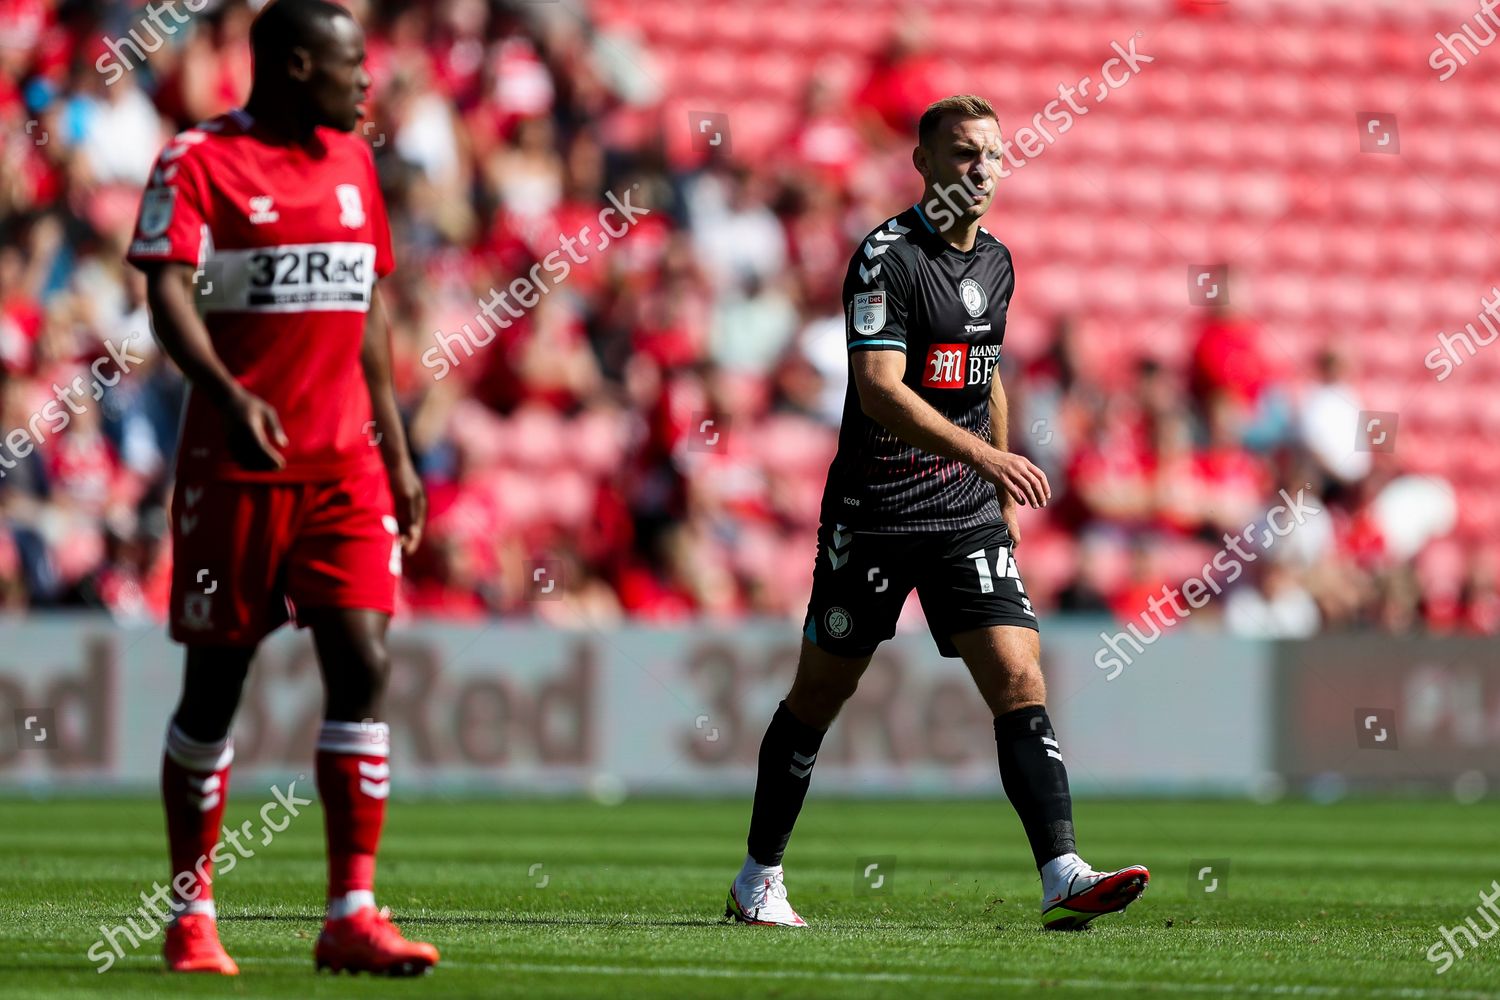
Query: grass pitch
573, 899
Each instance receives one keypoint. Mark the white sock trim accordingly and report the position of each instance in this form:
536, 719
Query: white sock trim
195, 755
754, 871
350, 903
368, 739
204, 907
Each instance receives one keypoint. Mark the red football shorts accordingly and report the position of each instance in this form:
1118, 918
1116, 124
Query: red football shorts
242, 552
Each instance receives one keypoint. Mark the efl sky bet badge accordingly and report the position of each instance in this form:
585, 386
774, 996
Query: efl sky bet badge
869, 312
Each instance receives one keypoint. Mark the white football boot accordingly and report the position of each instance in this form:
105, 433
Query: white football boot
1073, 894
758, 896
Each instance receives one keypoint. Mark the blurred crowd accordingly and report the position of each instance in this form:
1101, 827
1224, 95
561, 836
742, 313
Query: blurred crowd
651, 437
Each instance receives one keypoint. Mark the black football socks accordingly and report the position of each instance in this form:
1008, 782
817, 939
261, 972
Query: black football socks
1031, 769
787, 755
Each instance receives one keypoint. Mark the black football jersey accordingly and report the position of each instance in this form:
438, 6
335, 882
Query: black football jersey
908, 290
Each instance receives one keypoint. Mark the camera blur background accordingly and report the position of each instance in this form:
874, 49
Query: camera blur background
1233, 269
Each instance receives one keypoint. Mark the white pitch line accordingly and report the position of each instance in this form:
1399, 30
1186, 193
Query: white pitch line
1408, 993
716, 972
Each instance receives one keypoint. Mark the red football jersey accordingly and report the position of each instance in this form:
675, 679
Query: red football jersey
289, 240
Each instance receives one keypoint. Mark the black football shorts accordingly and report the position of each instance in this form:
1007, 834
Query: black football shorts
965, 580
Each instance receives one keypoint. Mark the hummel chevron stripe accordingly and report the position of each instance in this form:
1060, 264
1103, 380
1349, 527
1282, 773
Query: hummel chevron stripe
806, 764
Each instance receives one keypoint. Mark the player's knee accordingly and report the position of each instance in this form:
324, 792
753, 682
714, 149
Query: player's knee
816, 697
372, 665
1025, 685
357, 687
213, 681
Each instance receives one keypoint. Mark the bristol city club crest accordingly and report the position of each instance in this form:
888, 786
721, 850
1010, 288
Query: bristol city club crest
838, 623
971, 293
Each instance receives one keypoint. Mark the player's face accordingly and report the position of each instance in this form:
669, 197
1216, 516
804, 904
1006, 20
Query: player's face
336, 83
962, 164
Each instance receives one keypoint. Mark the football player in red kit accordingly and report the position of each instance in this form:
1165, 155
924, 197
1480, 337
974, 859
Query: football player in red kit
263, 233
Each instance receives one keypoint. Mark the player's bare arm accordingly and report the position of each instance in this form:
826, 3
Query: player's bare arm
1000, 438
255, 433
887, 400
406, 485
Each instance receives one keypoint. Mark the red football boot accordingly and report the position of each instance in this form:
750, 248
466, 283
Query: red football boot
192, 945
367, 941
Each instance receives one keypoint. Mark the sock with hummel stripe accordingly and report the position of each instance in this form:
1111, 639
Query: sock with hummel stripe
1031, 769
787, 755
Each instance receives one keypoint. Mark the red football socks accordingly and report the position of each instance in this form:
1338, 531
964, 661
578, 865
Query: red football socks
194, 788
354, 781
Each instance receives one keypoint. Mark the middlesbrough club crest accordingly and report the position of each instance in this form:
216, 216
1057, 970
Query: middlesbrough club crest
351, 208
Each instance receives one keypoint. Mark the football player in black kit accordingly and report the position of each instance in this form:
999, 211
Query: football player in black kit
924, 487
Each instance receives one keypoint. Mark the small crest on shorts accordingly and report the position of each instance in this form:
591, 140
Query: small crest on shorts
197, 612
838, 623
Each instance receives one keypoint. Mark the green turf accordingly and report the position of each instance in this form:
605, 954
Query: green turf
1340, 900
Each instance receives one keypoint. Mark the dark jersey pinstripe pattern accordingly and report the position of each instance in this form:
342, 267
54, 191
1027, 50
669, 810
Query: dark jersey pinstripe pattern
908, 290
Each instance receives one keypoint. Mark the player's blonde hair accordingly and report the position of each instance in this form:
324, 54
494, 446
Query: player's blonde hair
968, 105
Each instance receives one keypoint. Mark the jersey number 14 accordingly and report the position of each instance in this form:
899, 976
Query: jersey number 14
1005, 569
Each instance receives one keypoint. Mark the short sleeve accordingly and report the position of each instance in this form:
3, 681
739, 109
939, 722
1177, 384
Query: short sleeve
385, 256
877, 299
172, 218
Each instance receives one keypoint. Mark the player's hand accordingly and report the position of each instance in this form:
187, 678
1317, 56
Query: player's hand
411, 506
255, 434
1021, 481
1008, 511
